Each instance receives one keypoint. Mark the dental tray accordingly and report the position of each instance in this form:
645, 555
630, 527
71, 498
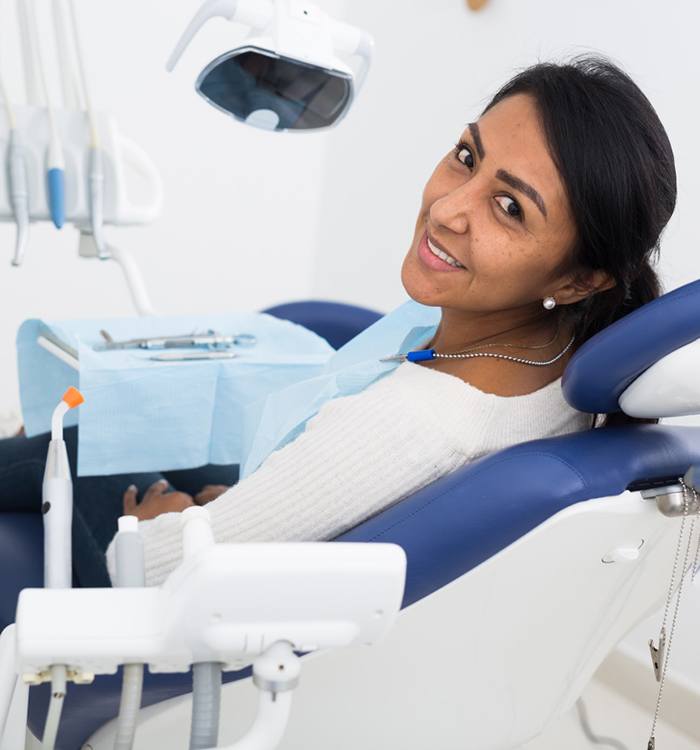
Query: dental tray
147, 415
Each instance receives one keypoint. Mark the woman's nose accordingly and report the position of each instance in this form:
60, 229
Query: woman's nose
451, 211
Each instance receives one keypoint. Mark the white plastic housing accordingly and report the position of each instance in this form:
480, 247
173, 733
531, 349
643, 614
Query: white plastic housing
290, 28
121, 158
669, 388
225, 603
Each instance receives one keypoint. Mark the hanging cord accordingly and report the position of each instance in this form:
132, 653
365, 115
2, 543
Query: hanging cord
71, 93
7, 104
29, 55
588, 732
664, 667
83, 88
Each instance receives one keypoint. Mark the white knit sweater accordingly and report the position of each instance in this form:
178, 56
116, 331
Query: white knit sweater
360, 454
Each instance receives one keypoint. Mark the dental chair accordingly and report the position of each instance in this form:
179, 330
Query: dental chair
525, 569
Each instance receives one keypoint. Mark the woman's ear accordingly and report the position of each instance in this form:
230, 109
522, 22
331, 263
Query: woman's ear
583, 284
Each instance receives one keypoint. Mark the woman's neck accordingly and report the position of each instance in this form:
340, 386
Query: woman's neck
459, 330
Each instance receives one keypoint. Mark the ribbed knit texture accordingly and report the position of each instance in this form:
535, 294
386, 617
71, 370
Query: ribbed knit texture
360, 454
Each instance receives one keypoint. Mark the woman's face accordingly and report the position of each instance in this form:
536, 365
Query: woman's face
497, 205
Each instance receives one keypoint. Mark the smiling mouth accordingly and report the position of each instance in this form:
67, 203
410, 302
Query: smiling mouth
438, 252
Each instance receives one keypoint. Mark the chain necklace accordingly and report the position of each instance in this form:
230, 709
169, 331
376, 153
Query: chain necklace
420, 355
661, 655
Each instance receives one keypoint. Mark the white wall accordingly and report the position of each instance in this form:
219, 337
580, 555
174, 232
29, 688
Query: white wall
253, 218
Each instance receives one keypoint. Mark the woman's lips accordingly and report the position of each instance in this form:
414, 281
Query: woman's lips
430, 259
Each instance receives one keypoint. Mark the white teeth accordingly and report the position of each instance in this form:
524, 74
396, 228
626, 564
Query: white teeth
443, 256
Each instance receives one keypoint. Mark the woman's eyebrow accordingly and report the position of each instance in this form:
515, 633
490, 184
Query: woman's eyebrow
517, 184
476, 135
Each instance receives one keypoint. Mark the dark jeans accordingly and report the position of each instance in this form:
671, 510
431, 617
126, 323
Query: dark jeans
97, 501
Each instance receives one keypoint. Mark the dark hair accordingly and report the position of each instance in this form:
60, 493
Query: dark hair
617, 166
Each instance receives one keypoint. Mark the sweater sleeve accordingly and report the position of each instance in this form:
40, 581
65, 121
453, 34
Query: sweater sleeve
357, 456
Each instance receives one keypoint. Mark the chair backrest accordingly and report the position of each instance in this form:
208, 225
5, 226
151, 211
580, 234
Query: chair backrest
604, 367
334, 321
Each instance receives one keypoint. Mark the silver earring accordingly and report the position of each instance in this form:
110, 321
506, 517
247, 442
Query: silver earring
549, 302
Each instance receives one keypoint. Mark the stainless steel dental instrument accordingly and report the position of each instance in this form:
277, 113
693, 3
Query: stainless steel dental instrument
208, 340
191, 356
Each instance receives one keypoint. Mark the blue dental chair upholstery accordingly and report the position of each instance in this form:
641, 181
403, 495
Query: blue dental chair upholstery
454, 524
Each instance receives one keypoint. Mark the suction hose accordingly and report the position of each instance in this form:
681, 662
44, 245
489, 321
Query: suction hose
130, 572
206, 701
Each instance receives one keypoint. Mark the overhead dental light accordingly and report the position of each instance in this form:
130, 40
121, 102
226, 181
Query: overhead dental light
289, 74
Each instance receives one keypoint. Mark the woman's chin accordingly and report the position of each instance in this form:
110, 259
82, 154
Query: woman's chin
417, 286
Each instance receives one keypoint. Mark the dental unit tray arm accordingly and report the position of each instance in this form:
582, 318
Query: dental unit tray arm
314, 596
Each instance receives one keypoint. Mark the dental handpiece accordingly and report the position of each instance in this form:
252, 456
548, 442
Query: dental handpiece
19, 194
57, 500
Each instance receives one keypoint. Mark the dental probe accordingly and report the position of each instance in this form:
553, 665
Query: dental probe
96, 178
17, 175
191, 356
55, 162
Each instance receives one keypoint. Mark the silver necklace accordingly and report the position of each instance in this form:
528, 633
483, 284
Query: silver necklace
421, 355
661, 655
522, 360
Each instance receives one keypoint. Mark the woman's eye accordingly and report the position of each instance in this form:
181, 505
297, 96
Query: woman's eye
464, 154
511, 207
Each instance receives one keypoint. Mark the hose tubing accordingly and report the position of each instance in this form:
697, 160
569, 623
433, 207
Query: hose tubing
129, 706
206, 702
130, 572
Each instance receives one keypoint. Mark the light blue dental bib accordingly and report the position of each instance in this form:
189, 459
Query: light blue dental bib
282, 415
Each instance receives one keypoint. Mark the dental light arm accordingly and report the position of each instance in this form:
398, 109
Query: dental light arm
259, 14
256, 14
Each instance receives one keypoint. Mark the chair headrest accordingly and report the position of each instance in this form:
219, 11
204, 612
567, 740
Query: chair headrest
600, 371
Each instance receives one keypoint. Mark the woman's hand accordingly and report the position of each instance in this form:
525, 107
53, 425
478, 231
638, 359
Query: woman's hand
209, 492
155, 502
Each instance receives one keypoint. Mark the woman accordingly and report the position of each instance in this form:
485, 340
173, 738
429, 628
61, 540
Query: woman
534, 233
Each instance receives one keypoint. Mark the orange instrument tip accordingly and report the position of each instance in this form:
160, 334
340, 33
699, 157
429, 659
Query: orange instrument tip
73, 397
